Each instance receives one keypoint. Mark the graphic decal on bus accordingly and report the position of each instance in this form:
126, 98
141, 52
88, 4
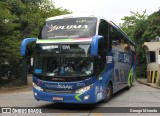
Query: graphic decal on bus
122, 57
58, 86
69, 28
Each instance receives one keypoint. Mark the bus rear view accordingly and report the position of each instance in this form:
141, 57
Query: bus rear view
73, 63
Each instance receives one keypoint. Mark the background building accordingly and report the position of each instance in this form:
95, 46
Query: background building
152, 50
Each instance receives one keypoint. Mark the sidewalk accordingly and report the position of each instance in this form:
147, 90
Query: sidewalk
144, 81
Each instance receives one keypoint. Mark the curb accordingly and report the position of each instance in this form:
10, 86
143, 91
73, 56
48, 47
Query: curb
147, 84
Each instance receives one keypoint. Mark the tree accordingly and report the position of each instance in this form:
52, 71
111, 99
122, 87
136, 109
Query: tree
20, 19
153, 28
7, 32
141, 28
129, 22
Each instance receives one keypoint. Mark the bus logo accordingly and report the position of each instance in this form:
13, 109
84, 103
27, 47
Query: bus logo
59, 86
65, 47
68, 27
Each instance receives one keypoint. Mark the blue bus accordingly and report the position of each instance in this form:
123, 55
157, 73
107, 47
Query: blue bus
81, 59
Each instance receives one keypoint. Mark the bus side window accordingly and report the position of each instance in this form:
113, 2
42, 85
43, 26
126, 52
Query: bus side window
102, 45
115, 37
104, 31
126, 45
119, 40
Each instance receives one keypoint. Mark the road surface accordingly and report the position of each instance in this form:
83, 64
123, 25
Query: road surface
138, 96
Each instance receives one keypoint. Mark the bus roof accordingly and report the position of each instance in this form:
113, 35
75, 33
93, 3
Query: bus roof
74, 16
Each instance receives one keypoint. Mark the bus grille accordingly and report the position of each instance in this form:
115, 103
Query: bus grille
59, 92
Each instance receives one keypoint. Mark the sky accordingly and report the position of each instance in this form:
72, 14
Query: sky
112, 9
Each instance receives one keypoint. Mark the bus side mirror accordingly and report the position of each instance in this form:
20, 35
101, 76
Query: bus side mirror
24, 45
94, 44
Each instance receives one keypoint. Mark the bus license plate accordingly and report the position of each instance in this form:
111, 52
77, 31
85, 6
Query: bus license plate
58, 98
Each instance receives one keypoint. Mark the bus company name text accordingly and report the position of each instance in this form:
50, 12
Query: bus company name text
68, 27
122, 57
59, 86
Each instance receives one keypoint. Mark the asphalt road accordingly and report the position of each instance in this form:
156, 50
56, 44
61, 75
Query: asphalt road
138, 96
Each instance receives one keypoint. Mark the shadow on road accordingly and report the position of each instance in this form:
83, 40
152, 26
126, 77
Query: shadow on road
67, 107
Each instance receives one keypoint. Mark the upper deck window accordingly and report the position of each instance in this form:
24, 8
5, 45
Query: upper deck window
69, 28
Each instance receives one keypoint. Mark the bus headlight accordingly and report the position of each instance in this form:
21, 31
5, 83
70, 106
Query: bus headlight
84, 89
37, 87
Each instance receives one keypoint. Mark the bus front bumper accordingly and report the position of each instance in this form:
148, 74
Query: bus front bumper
82, 98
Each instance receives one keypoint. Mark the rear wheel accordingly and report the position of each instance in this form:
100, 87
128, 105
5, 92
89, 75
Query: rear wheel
108, 94
128, 87
129, 84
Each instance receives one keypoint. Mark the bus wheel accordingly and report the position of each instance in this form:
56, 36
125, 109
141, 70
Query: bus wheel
108, 94
129, 86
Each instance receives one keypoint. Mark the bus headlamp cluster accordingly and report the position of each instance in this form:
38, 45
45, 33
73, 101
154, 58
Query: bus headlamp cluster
37, 87
84, 89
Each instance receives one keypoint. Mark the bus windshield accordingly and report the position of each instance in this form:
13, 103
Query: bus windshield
63, 60
83, 27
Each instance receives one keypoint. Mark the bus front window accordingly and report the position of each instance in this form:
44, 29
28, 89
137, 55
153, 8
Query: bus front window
57, 61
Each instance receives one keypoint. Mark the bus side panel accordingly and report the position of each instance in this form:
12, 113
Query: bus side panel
107, 74
121, 70
132, 74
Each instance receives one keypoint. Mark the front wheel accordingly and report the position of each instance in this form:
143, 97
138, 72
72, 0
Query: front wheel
108, 94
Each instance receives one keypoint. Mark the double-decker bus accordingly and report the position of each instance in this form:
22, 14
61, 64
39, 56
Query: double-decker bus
81, 59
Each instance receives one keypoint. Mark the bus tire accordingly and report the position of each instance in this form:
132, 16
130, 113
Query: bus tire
108, 94
129, 86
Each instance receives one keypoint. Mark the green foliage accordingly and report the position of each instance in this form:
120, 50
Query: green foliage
141, 28
20, 19
130, 21
153, 28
